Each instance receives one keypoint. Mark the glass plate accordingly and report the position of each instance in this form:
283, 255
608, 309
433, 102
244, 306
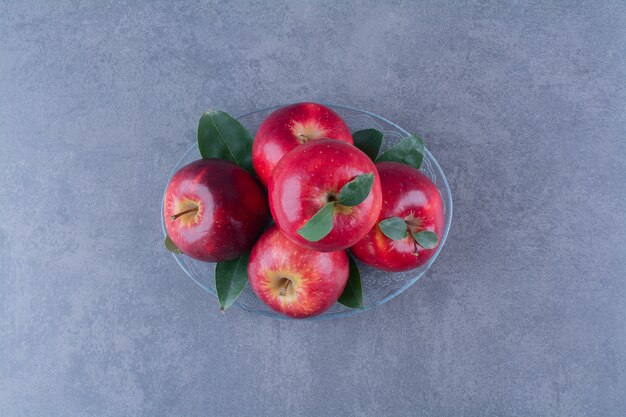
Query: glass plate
378, 286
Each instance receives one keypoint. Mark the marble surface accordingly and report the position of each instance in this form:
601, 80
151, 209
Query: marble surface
524, 312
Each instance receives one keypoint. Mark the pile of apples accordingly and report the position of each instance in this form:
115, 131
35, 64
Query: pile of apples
328, 191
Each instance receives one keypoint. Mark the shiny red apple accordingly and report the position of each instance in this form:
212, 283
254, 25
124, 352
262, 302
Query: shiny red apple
214, 210
311, 176
411, 196
291, 126
293, 280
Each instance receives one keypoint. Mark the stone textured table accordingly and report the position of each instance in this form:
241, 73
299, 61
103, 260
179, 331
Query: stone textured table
523, 103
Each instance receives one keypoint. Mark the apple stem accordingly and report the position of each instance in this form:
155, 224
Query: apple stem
283, 290
303, 138
182, 213
332, 198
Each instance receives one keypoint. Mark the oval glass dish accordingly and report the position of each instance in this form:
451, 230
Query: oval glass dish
378, 286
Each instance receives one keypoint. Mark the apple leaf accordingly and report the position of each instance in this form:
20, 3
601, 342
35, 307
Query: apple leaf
394, 228
426, 239
319, 225
354, 192
352, 295
221, 136
409, 151
170, 246
369, 141
231, 278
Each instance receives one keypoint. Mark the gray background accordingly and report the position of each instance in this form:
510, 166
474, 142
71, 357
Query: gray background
523, 104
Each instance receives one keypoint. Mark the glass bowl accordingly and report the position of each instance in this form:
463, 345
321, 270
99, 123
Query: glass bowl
378, 286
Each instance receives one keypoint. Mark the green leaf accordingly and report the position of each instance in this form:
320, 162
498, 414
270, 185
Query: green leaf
352, 295
221, 136
231, 278
369, 141
409, 151
170, 246
354, 192
394, 228
319, 225
426, 239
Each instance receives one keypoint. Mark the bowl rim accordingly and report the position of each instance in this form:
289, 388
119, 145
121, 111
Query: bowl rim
351, 312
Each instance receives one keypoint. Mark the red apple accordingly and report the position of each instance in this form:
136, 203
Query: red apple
293, 280
290, 126
311, 176
411, 196
214, 210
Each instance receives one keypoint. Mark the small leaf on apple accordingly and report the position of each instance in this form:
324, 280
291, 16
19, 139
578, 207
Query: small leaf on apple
170, 246
426, 239
319, 225
409, 151
394, 228
352, 295
354, 192
223, 137
231, 278
369, 141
